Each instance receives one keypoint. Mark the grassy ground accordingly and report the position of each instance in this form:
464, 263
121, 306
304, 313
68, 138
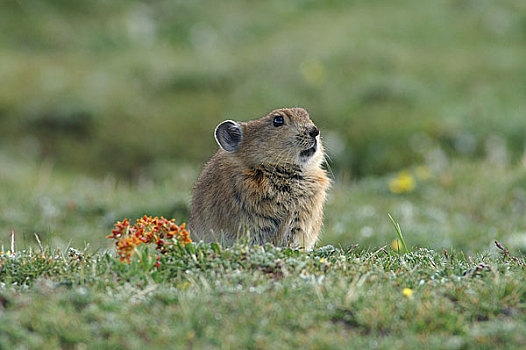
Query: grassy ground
263, 298
472, 296
463, 205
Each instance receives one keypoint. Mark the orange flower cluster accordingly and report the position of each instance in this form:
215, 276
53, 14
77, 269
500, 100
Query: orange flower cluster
147, 230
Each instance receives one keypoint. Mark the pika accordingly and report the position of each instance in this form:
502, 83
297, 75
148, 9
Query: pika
265, 183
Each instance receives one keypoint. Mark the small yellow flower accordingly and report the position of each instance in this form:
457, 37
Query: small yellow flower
402, 183
322, 260
397, 245
408, 292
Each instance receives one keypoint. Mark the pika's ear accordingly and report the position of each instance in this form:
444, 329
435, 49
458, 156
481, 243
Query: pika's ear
228, 135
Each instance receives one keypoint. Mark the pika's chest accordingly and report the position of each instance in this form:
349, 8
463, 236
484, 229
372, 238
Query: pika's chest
278, 189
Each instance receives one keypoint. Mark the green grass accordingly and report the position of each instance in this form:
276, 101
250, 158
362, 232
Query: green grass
464, 205
261, 298
473, 295
400, 236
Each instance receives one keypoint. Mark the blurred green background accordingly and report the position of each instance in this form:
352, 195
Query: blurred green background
107, 107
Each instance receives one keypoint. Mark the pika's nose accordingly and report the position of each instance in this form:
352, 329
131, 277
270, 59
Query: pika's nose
314, 131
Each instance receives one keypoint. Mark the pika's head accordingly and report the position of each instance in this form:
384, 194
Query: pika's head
284, 136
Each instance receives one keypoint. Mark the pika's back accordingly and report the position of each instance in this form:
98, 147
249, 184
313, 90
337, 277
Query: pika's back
264, 184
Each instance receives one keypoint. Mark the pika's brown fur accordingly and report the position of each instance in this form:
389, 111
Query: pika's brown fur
264, 184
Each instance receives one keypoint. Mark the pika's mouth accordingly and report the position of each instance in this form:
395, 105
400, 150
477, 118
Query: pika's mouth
310, 151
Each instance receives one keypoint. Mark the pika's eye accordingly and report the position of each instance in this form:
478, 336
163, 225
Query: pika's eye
278, 120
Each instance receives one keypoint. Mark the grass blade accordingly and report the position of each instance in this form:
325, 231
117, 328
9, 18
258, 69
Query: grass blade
399, 232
